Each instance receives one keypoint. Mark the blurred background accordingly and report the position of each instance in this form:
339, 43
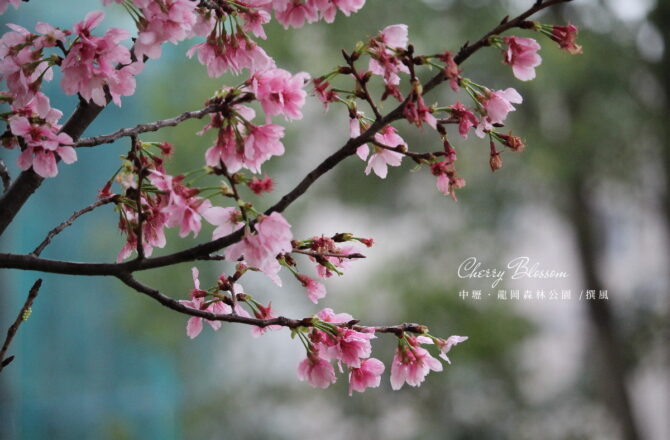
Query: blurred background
590, 196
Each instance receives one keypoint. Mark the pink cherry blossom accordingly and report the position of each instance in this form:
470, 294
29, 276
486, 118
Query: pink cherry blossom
466, 119
279, 92
92, 63
328, 315
383, 59
412, 363
294, 13
416, 112
168, 20
315, 289
226, 220
522, 55
273, 236
497, 104
566, 36
194, 324
36, 124
445, 345
351, 347
317, 371
447, 180
367, 376
231, 52
382, 157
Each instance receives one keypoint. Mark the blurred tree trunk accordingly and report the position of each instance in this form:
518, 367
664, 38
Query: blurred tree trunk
661, 18
611, 374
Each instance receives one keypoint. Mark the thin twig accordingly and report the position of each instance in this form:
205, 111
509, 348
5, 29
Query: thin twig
58, 229
151, 126
22, 316
327, 254
282, 321
4, 175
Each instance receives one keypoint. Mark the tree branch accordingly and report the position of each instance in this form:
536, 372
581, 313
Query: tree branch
282, 321
203, 250
151, 126
58, 229
4, 175
17, 322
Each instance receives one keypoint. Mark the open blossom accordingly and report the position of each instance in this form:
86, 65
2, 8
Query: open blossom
383, 60
522, 55
91, 63
350, 347
37, 125
279, 92
566, 36
241, 144
226, 220
382, 157
445, 345
273, 236
412, 363
315, 289
168, 20
194, 324
497, 104
294, 13
317, 371
368, 375
466, 119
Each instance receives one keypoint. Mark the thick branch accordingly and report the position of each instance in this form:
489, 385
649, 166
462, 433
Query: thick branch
151, 126
15, 327
4, 175
282, 321
58, 229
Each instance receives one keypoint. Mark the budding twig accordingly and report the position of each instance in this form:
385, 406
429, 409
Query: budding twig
22, 316
58, 229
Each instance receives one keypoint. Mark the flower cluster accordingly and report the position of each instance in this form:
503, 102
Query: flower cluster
95, 66
35, 129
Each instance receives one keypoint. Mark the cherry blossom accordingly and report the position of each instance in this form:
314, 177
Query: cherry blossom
91, 63
315, 289
226, 220
565, 36
521, 54
497, 104
317, 371
383, 157
412, 363
466, 119
273, 236
194, 324
368, 375
279, 92
445, 345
